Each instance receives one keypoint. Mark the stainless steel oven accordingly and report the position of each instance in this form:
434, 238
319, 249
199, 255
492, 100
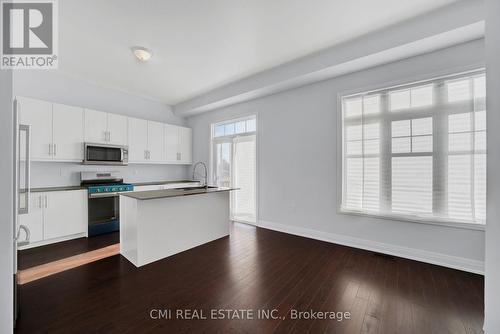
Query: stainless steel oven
104, 154
104, 202
104, 214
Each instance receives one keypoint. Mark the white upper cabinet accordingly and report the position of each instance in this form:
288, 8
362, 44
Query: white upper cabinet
58, 132
137, 140
178, 144
56, 129
146, 141
171, 143
155, 150
185, 145
67, 132
105, 128
38, 114
95, 126
117, 129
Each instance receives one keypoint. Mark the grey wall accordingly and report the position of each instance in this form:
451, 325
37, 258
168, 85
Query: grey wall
6, 202
425, 33
492, 283
57, 87
297, 158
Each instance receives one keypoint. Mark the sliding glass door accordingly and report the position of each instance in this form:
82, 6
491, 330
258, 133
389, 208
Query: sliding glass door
234, 165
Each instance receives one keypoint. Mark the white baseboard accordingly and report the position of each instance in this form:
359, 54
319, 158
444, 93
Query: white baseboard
460, 263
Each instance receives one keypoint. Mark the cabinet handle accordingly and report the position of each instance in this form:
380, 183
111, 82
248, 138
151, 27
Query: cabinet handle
149, 155
109, 136
46, 202
55, 149
40, 201
50, 149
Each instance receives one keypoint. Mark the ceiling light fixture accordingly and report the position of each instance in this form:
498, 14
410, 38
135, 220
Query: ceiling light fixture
141, 53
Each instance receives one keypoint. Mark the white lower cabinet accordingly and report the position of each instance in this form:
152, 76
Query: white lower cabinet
65, 213
34, 219
56, 215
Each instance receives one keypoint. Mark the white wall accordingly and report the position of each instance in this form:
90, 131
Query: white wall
57, 87
297, 160
6, 202
492, 279
51, 174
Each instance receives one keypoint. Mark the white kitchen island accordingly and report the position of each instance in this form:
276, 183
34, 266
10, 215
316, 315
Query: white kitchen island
160, 223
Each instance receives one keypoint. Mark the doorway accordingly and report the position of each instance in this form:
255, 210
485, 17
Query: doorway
234, 164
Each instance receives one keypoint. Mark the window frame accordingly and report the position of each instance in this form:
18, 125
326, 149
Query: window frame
401, 84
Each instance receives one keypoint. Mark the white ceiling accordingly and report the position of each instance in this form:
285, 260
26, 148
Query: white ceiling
199, 45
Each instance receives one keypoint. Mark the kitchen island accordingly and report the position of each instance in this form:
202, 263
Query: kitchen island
160, 223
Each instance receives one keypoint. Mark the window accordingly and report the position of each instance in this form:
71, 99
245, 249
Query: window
417, 151
234, 128
234, 160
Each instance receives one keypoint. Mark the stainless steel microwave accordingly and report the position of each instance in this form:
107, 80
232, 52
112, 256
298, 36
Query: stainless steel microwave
105, 154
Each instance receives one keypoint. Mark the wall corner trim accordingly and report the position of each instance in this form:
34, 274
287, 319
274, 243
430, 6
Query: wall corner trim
454, 262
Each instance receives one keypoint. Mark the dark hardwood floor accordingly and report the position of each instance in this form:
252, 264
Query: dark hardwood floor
257, 269
32, 257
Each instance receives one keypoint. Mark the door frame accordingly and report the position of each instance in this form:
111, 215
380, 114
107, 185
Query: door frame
212, 126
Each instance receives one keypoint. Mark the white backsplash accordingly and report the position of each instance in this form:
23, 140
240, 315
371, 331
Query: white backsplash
54, 174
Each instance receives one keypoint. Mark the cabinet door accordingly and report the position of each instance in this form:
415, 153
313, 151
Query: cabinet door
34, 219
67, 132
65, 213
171, 143
155, 142
185, 145
137, 139
117, 129
95, 126
38, 114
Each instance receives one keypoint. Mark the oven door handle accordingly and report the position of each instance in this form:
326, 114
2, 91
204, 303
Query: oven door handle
102, 195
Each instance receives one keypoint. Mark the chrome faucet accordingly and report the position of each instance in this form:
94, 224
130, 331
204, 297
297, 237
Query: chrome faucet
206, 172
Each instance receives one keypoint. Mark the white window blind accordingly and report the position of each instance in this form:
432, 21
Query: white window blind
244, 178
417, 150
234, 164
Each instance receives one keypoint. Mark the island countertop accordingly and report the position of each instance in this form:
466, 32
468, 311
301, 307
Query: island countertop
155, 194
